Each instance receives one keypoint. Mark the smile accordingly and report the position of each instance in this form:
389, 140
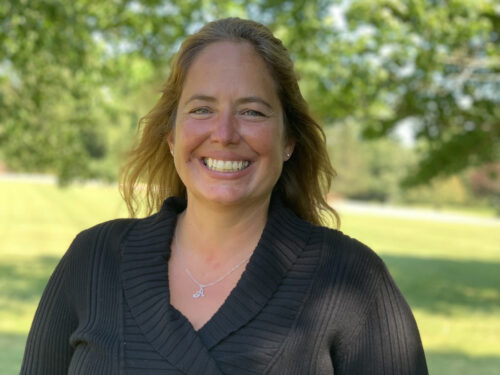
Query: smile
225, 165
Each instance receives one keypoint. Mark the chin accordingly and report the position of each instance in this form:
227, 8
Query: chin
233, 198
227, 199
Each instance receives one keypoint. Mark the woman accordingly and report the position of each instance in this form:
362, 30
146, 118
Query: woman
233, 274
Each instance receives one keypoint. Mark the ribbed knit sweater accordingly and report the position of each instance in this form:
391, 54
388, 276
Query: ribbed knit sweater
310, 301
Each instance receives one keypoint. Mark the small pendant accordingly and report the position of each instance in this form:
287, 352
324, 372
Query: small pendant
199, 293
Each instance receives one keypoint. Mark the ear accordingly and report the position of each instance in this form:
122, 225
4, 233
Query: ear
289, 147
170, 138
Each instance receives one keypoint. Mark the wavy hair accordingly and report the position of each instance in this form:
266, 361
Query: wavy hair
306, 177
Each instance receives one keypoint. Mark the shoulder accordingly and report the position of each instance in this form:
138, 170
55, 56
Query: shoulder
95, 248
349, 265
351, 274
112, 229
348, 250
109, 231
102, 238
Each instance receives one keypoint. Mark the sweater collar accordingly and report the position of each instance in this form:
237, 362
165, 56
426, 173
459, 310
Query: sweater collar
145, 281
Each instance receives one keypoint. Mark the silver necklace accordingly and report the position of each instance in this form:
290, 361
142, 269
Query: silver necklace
201, 291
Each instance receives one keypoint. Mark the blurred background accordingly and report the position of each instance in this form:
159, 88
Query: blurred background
408, 92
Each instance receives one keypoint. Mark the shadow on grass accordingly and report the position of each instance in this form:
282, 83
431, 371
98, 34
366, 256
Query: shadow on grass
11, 352
433, 284
23, 279
441, 285
440, 363
448, 363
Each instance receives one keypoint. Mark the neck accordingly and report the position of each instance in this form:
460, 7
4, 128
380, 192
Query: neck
221, 232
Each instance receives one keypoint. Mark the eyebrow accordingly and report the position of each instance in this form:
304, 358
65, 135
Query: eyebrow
254, 99
247, 99
205, 98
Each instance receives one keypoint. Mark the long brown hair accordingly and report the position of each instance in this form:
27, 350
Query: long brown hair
306, 176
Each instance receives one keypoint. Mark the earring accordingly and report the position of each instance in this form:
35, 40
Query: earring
288, 155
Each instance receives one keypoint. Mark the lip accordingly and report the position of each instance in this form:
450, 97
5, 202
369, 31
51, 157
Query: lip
225, 154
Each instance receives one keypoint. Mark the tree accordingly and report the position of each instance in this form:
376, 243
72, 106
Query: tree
66, 70
485, 183
442, 70
432, 65
367, 170
69, 71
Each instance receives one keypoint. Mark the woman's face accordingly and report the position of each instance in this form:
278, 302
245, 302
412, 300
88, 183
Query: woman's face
229, 140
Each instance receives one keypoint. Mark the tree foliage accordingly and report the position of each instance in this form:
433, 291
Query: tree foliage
367, 170
440, 70
73, 73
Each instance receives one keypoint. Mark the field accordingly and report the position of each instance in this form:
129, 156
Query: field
449, 271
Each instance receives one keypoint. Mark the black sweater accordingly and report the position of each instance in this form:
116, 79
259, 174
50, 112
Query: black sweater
310, 301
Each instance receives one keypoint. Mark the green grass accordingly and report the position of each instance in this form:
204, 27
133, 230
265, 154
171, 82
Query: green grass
37, 223
447, 271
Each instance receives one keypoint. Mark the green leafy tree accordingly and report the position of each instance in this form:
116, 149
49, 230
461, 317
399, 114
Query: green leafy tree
441, 69
70, 72
485, 183
433, 65
367, 170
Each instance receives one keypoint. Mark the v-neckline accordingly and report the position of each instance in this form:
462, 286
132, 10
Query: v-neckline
144, 271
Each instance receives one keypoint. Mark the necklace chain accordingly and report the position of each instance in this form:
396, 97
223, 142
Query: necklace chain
201, 291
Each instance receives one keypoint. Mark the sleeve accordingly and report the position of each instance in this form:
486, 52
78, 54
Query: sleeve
48, 350
388, 341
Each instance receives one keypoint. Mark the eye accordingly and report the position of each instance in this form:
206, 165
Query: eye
200, 111
252, 113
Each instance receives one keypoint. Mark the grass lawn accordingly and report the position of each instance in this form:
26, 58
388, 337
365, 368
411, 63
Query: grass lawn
447, 271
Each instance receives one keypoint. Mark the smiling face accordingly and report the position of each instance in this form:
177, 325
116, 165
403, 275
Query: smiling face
229, 141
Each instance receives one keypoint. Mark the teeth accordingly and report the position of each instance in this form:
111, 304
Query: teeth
225, 165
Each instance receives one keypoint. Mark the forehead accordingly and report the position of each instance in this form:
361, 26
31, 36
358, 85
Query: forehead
228, 66
228, 50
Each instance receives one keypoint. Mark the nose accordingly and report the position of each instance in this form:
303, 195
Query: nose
225, 129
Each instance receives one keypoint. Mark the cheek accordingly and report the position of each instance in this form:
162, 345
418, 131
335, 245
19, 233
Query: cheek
268, 140
190, 132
